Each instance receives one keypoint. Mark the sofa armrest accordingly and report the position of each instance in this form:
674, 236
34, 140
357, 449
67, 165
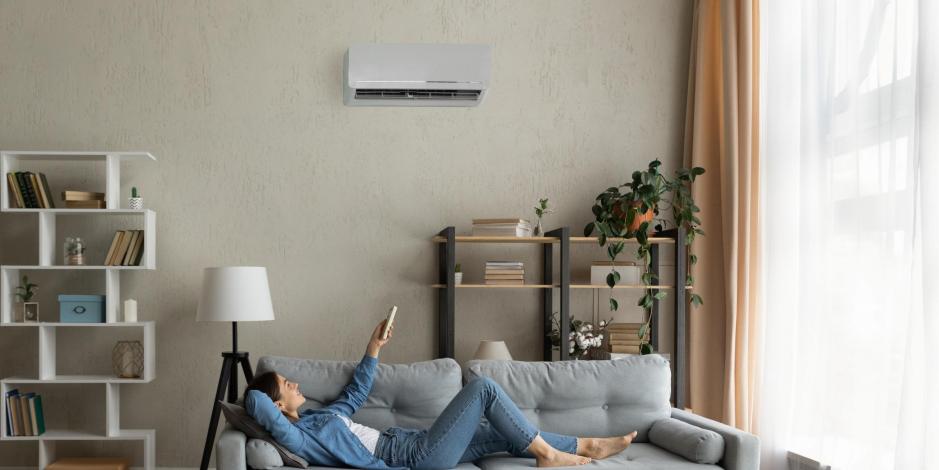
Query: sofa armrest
741, 449
230, 450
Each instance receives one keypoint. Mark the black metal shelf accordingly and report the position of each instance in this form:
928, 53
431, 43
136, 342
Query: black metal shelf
560, 240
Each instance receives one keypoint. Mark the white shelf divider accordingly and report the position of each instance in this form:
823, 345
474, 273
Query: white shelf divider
112, 404
9, 279
47, 353
112, 191
46, 239
112, 296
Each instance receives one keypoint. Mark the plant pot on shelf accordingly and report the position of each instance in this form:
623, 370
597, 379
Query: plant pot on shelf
639, 219
457, 278
135, 203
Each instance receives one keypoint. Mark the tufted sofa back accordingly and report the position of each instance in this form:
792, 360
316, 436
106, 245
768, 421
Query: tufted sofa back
404, 395
586, 398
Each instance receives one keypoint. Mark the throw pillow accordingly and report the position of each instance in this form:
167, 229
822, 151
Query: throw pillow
687, 440
242, 421
261, 455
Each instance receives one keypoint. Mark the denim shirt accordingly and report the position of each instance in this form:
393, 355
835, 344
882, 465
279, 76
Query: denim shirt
319, 436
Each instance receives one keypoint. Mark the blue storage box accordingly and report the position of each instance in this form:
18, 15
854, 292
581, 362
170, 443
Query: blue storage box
81, 308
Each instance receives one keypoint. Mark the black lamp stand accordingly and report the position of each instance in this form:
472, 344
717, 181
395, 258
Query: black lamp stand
228, 378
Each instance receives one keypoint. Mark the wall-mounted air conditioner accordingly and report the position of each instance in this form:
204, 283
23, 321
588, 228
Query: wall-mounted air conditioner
416, 74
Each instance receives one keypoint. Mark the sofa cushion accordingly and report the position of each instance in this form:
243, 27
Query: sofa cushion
403, 395
262, 455
687, 440
236, 415
635, 457
586, 398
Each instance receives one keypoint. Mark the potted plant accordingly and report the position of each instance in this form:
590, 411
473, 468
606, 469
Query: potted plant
74, 251
458, 275
541, 210
28, 310
135, 201
630, 210
585, 340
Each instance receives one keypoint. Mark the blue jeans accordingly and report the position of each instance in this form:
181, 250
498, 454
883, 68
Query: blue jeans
460, 435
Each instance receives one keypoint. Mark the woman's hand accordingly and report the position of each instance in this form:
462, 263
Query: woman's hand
375, 343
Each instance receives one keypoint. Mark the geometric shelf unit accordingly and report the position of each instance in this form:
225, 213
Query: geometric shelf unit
9, 279
447, 241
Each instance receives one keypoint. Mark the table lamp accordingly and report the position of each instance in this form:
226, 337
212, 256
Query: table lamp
493, 350
232, 294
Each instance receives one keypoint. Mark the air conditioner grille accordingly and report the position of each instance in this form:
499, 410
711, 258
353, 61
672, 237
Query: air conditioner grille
416, 94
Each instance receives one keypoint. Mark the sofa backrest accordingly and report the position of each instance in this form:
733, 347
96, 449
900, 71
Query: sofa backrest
405, 395
585, 398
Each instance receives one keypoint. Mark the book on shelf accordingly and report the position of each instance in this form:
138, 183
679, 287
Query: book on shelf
505, 264
126, 248
504, 276
29, 190
72, 195
506, 282
624, 349
501, 228
91, 204
24, 412
505, 271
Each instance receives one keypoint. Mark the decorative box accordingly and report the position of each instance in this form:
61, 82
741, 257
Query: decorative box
81, 308
629, 273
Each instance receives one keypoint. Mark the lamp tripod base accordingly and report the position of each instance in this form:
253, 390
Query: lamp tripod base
228, 379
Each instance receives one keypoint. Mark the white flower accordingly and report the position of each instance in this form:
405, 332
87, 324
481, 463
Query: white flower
572, 351
602, 323
572, 344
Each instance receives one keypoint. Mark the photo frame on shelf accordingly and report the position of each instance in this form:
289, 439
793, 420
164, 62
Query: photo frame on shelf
30, 312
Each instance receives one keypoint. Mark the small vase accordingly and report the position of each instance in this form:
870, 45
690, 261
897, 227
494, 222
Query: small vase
539, 231
457, 278
127, 359
74, 251
135, 203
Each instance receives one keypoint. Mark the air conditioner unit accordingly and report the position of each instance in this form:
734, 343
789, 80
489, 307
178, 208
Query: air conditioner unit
416, 74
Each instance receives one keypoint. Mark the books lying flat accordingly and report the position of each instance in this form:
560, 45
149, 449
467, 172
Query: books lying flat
504, 264
126, 248
29, 190
81, 196
92, 204
504, 276
501, 228
625, 349
506, 282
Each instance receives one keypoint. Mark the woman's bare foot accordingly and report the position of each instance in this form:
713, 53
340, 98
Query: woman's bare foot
603, 447
560, 459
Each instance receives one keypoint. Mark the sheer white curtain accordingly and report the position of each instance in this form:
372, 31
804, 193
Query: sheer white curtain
851, 371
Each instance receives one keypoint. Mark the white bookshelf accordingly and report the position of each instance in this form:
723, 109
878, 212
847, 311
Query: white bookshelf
46, 256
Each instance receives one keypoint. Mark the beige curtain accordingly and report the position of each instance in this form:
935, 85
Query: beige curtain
722, 135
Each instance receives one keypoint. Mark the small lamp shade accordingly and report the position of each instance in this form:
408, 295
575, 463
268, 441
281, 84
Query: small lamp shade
493, 350
234, 294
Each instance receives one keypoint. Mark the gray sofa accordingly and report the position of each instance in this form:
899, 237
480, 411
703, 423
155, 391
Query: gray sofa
583, 398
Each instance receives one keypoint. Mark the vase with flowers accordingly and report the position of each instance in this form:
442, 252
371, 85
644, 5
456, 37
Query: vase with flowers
585, 340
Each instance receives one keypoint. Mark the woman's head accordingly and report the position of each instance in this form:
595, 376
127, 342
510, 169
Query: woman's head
284, 393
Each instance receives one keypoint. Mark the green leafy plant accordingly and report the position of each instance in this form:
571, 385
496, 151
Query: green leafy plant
457, 269
133, 192
541, 209
25, 291
630, 210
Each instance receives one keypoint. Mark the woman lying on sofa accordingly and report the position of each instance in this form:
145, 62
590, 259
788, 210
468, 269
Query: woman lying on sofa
329, 437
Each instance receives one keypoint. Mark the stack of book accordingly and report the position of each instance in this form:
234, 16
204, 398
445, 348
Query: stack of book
29, 190
501, 228
24, 414
83, 200
624, 337
126, 248
505, 272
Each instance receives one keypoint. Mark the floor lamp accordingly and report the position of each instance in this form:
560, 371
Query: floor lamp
232, 294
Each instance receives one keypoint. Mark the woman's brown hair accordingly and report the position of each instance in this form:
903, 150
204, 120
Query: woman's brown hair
266, 383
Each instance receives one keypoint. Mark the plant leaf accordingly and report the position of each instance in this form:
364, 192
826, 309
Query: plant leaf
611, 279
614, 305
588, 229
696, 300
642, 330
645, 348
660, 295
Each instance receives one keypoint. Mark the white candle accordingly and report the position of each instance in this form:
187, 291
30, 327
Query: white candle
130, 311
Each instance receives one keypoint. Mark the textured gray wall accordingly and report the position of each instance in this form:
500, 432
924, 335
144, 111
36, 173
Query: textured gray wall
260, 163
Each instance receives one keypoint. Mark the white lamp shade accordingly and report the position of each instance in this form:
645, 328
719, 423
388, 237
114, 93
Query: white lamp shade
235, 293
493, 350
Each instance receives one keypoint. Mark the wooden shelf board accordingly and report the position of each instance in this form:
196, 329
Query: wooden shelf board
624, 286
498, 286
79, 325
76, 379
75, 155
544, 240
67, 435
474, 239
77, 211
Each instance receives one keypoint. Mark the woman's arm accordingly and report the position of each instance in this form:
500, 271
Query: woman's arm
265, 412
353, 396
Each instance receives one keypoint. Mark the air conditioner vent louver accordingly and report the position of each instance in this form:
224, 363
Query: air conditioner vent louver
416, 94
452, 75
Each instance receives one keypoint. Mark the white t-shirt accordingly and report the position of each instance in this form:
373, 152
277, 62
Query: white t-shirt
367, 435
